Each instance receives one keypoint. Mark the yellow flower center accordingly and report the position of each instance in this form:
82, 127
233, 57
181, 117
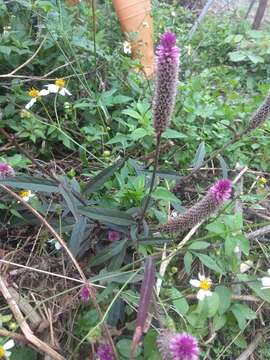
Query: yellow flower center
262, 181
24, 193
60, 83
33, 93
205, 284
2, 352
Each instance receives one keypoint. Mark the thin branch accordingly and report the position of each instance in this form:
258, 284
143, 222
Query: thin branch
251, 347
262, 231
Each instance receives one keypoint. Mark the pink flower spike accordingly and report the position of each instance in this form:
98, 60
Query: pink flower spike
104, 352
221, 190
6, 170
85, 294
113, 235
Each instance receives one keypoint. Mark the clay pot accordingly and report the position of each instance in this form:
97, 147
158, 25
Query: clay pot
136, 20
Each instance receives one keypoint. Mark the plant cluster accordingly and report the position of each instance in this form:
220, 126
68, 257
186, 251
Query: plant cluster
116, 204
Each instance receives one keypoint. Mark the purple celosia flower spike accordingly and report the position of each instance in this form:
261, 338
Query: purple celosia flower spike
85, 293
167, 65
105, 352
5, 171
260, 115
181, 346
211, 202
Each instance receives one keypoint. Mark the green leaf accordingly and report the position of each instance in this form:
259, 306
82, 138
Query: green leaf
179, 301
150, 347
199, 157
209, 262
99, 180
219, 321
104, 215
242, 312
108, 252
255, 59
188, 258
224, 167
31, 183
208, 306
199, 245
256, 286
77, 243
237, 56
225, 298
163, 194
124, 348
23, 354
173, 134
70, 200
138, 134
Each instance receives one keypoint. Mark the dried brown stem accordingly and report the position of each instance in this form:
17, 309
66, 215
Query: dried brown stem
49, 228
251, 347
24, 326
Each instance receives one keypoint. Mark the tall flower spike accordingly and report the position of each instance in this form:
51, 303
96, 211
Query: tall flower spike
259, 116
211, 202
181, 346
167, 64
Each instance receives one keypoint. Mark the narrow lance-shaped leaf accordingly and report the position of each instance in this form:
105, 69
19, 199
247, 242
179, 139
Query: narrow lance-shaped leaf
145, 301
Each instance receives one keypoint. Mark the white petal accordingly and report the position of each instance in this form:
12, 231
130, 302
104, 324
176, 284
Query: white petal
57, 245
201, 294
266, 281
268, 271
31, 103
7, 354
208, 293
201, 277
64, 92
25, 198
9, 344
195, 282
44, 92
52, 88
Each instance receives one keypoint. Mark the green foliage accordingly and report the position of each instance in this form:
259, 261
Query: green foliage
99, 143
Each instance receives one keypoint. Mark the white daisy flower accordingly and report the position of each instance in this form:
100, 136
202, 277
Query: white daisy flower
26, 195
266, 281
35, 94
127, 47
4, 353
204, 284
58, 87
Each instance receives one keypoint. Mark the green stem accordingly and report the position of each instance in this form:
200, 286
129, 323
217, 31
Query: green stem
153, 176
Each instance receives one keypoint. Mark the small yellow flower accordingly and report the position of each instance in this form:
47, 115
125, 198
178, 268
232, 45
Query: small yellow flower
204, 284
33, 93
26, 195
262, 181
189, 50
60, 83
2, 352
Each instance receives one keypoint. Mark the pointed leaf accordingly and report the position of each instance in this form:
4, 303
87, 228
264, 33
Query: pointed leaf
112, 216
31, 183
199, 157
100, 179
108, 252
